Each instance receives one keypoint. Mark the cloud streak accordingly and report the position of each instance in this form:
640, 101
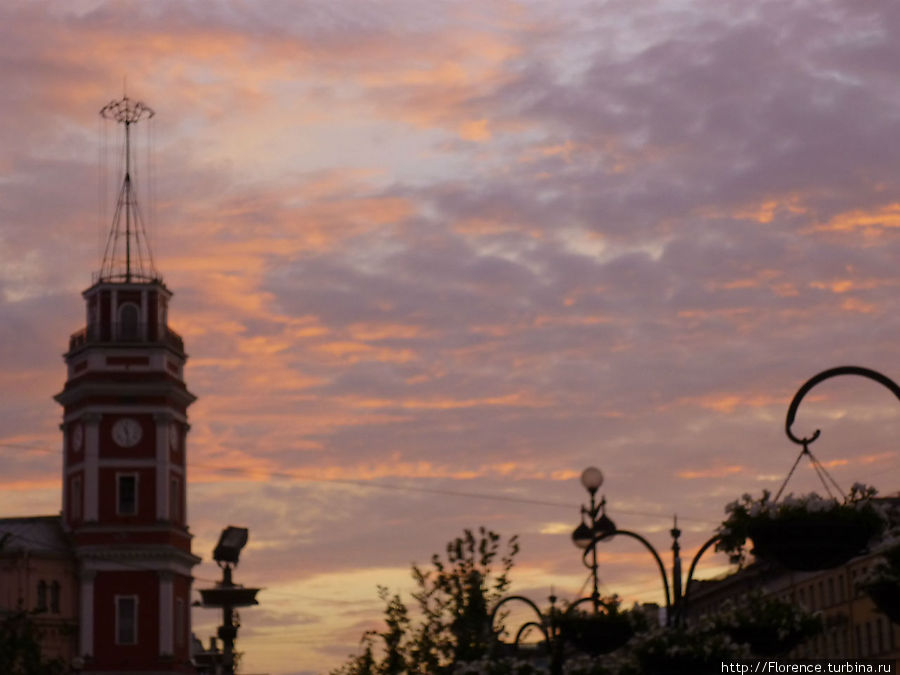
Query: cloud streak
465, 250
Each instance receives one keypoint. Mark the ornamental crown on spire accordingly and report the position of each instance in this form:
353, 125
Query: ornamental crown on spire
126, 256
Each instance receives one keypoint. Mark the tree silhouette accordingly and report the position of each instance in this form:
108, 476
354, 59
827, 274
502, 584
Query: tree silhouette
451, 623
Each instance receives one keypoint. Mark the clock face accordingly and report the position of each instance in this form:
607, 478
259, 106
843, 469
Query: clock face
77, 437
173, 436
126, 432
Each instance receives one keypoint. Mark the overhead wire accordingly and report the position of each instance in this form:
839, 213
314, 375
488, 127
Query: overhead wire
427, 490
286, 475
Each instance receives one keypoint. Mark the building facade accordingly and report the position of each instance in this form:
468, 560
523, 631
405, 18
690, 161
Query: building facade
38, 576
854, 628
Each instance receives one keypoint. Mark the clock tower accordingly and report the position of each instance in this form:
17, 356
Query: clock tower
124, 447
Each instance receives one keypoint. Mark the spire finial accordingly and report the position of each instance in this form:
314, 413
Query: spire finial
138, 262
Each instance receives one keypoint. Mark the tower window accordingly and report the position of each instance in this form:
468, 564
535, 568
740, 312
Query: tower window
75, 499
126, 619
128, 321
54, 597
42, 596
126, 497
175, 500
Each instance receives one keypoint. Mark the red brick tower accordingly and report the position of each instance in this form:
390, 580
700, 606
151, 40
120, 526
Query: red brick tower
124, 473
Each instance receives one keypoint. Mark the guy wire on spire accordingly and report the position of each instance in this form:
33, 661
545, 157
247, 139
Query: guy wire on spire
138, 263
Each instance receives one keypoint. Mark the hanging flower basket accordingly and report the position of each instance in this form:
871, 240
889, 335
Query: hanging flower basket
767, 625
803, 533
599, 632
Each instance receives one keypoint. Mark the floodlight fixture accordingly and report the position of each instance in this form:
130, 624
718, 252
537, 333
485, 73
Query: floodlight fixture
228, 550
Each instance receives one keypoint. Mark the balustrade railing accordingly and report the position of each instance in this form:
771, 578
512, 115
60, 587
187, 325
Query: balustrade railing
120, 332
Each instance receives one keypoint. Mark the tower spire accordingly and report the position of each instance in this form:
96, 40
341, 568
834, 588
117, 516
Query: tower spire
127, 225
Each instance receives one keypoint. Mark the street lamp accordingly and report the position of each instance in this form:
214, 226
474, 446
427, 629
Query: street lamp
226, 593
603, 529
597, 527
594, 526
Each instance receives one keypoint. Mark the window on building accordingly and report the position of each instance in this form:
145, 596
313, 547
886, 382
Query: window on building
42, 596
126, 619
75, 498
868, 638
54, 597
830, 590
879, 634
841, 596
179, 621
128, 321
175, 500
859, 643
126, 498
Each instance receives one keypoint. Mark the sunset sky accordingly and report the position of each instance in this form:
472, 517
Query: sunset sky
433, 258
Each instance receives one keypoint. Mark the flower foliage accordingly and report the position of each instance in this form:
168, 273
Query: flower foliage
769, 626
765, 520
20, 646
694, 650
500, 666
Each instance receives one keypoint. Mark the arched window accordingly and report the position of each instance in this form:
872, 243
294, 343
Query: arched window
128, 321
42, 596
54, 597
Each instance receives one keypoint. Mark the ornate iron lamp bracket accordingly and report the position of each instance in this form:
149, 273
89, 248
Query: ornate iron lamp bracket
821, 377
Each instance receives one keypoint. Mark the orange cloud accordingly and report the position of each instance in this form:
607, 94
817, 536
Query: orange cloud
762, 212
386, 331
516, 400
870, 221
712, 472
350, 351
840, 286
727, 403
571, 320
28, 485
858, 306
239, 467
474, 130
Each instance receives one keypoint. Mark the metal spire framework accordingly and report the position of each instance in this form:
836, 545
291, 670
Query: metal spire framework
127, 225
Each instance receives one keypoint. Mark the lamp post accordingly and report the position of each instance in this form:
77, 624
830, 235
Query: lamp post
227, 594
603, 529
594, 524
597, 526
